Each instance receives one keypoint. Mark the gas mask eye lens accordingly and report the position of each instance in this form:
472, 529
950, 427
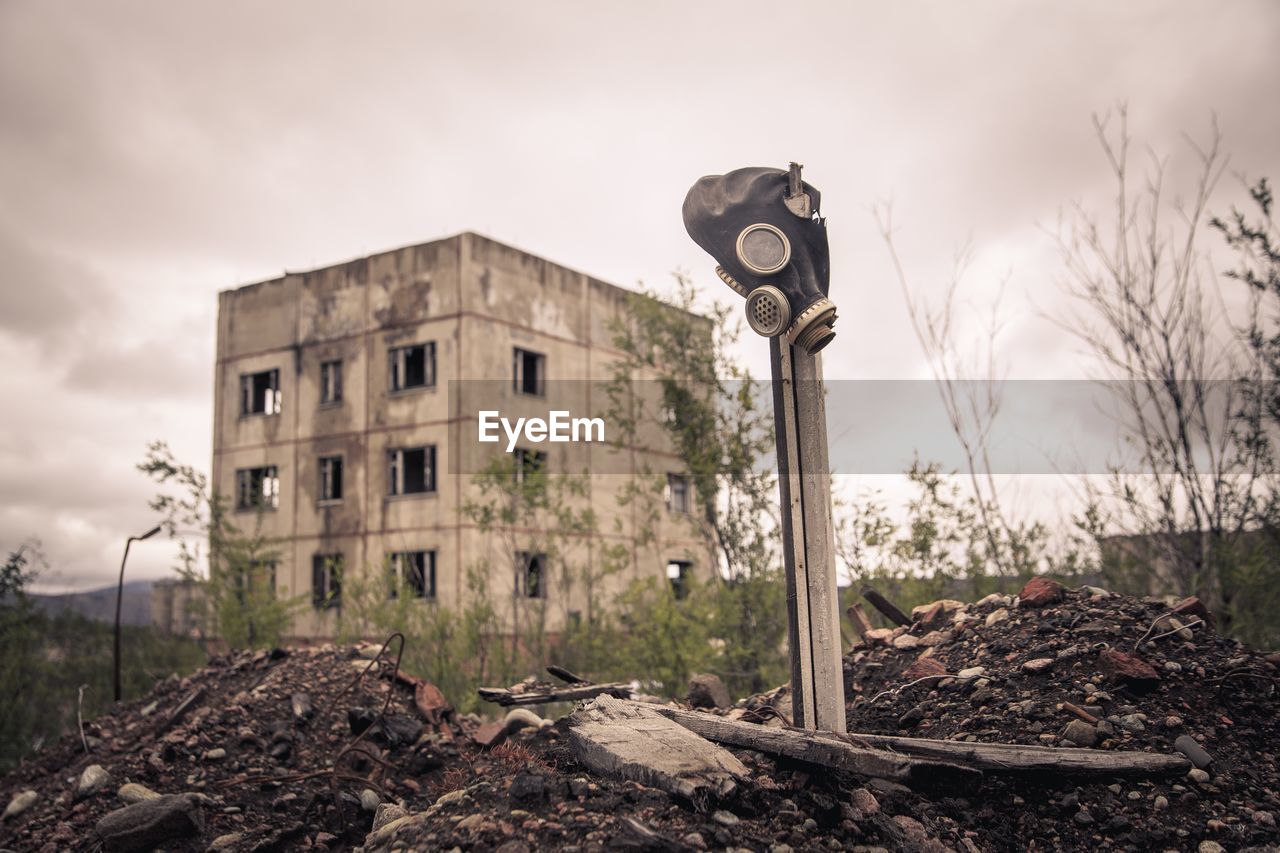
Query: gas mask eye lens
763, 249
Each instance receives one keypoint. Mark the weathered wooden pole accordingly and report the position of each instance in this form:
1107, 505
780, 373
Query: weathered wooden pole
762, 227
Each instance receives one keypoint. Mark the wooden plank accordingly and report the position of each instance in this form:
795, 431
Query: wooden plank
885, 606
631, 740
1018, 758
506, 698
858, 617
825, 749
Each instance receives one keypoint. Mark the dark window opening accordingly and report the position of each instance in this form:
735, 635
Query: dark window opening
330, 478
412, 366
528, 371
260, 393
257, 488
411, 470
528, 463
414, 572
678, 574
677, 494
330, 382
531, 575
326, 581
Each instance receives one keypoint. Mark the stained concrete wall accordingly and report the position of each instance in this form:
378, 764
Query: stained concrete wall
476, 299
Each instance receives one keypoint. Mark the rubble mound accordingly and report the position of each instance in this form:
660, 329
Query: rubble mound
304, 750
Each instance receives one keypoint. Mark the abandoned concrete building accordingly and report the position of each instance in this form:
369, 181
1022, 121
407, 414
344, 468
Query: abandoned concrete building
341, 423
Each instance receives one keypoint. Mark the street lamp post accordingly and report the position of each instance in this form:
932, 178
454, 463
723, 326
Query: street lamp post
120, 595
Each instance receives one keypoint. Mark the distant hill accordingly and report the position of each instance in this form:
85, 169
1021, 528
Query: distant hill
100, 604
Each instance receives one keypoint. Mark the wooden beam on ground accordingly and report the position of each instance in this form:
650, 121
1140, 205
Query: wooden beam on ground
885, 606
505, 697
1017, 758
825, 749
631, 740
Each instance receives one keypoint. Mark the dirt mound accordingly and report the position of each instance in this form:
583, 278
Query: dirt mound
294, 750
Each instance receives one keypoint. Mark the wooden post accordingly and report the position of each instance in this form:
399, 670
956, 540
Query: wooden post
804, 481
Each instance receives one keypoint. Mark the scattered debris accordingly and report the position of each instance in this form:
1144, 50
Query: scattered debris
415, 777
534, 693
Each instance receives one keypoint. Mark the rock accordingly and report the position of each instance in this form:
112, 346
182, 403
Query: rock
1161, 803
19, 804
878, 635
912, 829
300, 705
1080, 733
526, 787
1193, 606
151, 823
923, 668
490, 735
911, 717
725, 818
1192, 749
708, 691
386, 813
1133, 723
132, 792
1208, 846
92, 780
1083, 817
906, 642
864, 801
694, 840
972, 672
1040, 592
996, 616
216, 754
1200, 777
369, 800
1129, 670
1262, 818
936, 638
1038, 666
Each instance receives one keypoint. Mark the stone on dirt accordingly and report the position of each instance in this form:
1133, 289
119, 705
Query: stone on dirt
1041, 592
151, 823
708, 691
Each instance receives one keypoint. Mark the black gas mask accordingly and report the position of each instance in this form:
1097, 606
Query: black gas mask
763, 227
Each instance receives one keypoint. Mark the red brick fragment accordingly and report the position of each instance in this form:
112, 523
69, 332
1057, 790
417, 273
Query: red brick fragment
490, 735
1129, 670
1193, 606
923, 667
1041, 591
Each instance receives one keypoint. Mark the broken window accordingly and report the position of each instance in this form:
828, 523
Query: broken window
411, 470
412, 366
528, 372
677, 494
330, 382
531, 574
330, 478
678, 576
260, 393
528, 463
257, 488
414, 572
326, 581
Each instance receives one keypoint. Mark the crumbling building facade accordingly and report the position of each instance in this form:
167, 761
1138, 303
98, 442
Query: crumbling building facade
340, 423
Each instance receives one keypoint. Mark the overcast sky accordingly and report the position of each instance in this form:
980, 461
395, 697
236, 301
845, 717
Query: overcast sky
152, 154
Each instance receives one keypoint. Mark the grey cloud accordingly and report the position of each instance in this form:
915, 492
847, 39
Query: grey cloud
43, 293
